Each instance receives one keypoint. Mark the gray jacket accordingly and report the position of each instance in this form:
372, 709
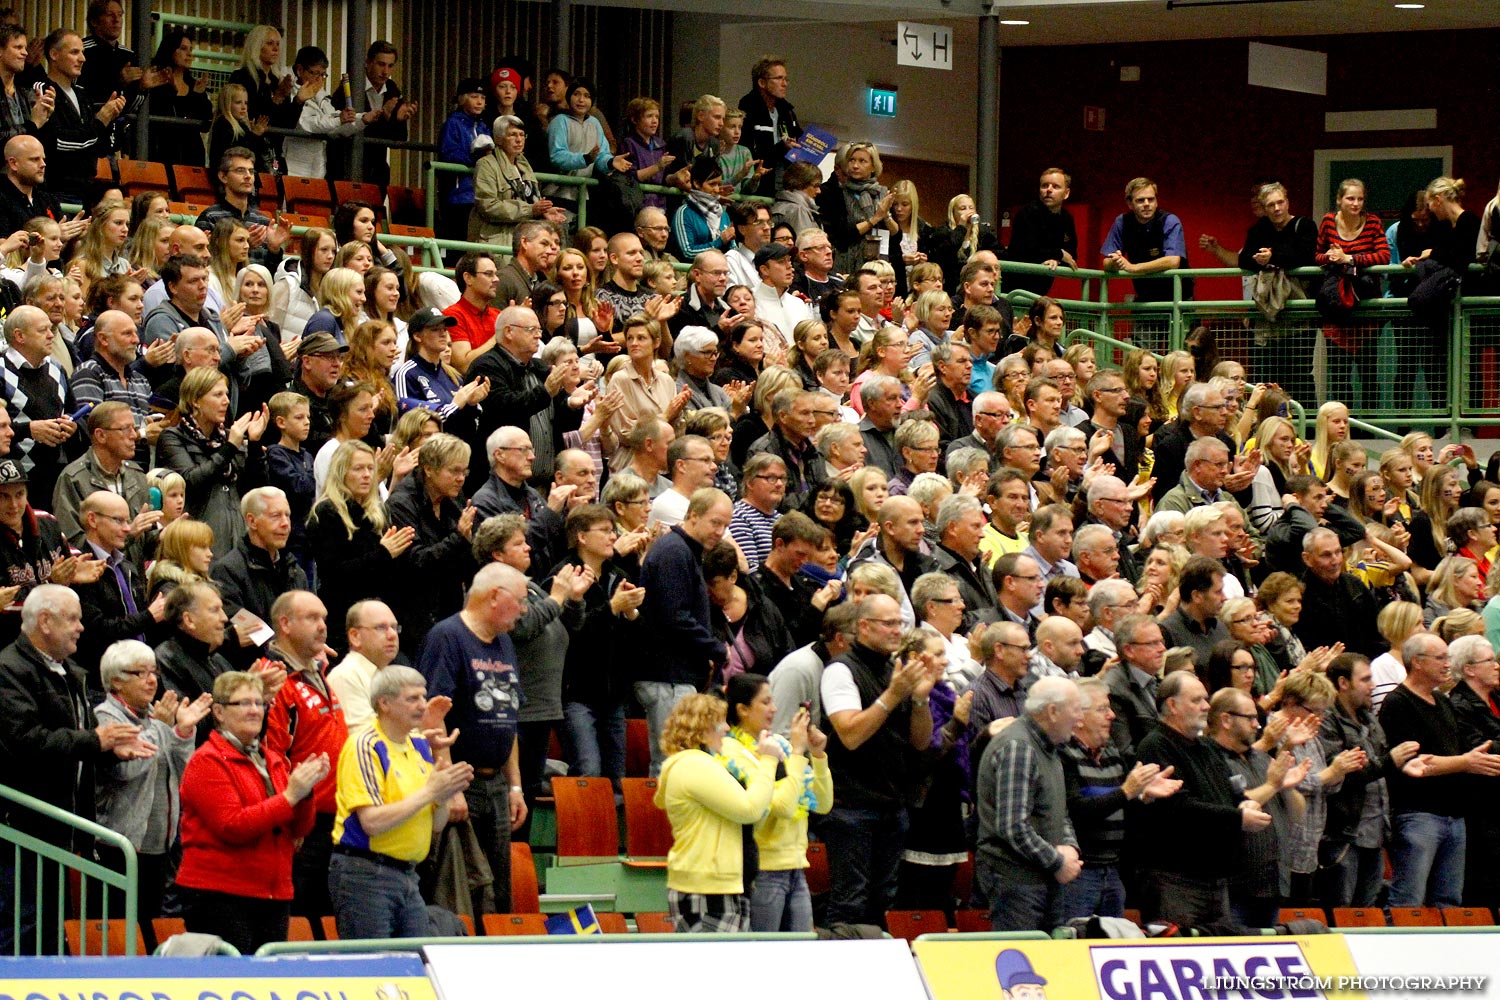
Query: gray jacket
133, 796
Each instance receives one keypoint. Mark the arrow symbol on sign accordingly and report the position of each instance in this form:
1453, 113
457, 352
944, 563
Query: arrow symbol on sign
916, 43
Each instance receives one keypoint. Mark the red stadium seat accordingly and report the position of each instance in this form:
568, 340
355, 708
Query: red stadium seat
1468, 916
612, 923
818, 881
973, 921
509, 924
586, 823
1416, 916
307, 195
655, 923
140, 176
299, 929
96, 939
193, 184
908, 924
359, 191
648, 832
1358, 916
523, 886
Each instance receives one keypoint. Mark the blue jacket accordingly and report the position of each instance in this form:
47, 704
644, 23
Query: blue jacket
568, 160
676, 613
459, 133
692, 232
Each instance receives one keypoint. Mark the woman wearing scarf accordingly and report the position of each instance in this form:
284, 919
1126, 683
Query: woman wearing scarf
708, 805
211, 453
505, 188
780, 900
699, 223
868, 204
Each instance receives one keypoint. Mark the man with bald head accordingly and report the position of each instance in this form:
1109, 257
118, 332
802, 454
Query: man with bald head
196, 347
22, 196
524, 392
186, 241
114, 373
655, 232
623, 292
38, 399
1059, 648
899, 546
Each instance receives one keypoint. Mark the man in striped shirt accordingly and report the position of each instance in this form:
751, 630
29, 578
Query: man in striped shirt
1027, 851
1098, 788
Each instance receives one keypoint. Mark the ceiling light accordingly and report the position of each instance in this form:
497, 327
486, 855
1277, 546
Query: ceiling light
1016, 24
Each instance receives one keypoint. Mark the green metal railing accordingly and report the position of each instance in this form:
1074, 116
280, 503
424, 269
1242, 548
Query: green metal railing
1455, 396
30, 858
417, 944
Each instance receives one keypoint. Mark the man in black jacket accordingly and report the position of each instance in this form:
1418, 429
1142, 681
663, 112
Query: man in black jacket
79, 131
49, 748
770, 120
949, 401
257, 570
375, 91
960, 525
188, 659
1200, 415
508, 492
114, 606
1473, 663
439, 560
1337, 606
1043, 233
1312, 506
22, 196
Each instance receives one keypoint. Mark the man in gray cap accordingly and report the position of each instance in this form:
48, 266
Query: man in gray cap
778, 310
322, 364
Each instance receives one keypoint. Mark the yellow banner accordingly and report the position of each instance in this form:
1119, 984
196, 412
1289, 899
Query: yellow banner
1272, 968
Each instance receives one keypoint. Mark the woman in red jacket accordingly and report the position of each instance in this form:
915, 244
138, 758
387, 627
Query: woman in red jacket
243, 809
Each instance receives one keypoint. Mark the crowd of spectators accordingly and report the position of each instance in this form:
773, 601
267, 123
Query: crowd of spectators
307, 557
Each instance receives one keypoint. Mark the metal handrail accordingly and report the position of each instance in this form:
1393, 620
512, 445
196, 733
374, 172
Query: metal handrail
125, 882
417, 944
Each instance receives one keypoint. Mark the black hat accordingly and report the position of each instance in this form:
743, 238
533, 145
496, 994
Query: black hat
770, 252
317, 343
468, 85
424, 319
705, 167
11, 472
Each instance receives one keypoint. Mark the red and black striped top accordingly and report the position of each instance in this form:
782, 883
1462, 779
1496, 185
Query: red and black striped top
1368, 248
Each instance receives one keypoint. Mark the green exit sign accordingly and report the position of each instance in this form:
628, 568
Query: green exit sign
882, 102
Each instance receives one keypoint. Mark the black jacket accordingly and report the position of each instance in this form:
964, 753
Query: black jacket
764, 139
249, 579
977, 588
1284, 540
437, 567
16, 209
48, 745
676, 614
349, 569
216, 478
26, 560
189, 667
75, 140
941, 247
1346, 804
1038, 234
597, 669
106, 620
544, 526
1340, 612
518, 392
954, 417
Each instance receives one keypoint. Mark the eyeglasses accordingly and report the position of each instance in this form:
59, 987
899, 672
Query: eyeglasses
127, 429
1112, 390
1015, 645
112, 517
770, 478
1032, 579
1245, 715
524, 329
660, 229
946, 600
885, 622
139, 673
383, 627
253, 703
518, 447
712, 352
1148, 642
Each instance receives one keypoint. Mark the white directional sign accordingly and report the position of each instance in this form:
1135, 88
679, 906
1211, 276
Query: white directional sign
928, 46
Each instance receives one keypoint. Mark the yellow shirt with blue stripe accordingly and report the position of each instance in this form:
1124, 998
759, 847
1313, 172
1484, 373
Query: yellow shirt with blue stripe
375, 771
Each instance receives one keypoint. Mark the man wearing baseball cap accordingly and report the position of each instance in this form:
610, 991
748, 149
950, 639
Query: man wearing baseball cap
465, 125
322, 364
778, 310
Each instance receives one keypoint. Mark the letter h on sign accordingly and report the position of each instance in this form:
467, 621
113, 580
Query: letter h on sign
929, 46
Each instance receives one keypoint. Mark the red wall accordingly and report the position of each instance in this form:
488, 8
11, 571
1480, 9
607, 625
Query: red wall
1196, 127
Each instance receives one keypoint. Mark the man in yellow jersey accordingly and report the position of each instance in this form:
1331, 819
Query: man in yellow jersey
393, 793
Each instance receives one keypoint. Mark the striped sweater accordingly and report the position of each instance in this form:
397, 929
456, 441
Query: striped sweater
1368, 248
1096, 800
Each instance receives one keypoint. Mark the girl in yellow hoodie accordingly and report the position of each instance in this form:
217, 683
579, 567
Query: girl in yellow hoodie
709, 796
780, 900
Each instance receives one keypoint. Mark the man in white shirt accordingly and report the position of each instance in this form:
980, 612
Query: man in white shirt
752, 226
309, 157
374, 641
690, 460
777, 308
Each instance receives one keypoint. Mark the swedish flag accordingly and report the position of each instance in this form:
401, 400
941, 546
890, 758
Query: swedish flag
576, 921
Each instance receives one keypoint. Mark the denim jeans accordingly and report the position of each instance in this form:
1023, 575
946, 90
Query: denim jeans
489, 815
1349, 875
1427, 853
1096, 890
372, 901
781, 902
864, 855
594, 740
1020, 901
658, 698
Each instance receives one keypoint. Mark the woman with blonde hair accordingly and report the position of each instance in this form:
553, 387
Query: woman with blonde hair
1081, 357
1346, 460
263, 75
906, 212
648, 390
101, 249
350, 537
1397, 622
1397, 470
1332, 427
342, 297
586, 317
184, 554
372, 355
711, 788
266, 368
1177, 373
1160, 572
1456, 583
883, 354
148, 246
951, 245
933, 312
1441, 270
870, 486
867, 203
228, 251
1142, 371
1442, 493
356, 255
809, 339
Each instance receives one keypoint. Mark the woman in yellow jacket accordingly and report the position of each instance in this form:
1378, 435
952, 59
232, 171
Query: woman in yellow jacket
709, 797
780, 900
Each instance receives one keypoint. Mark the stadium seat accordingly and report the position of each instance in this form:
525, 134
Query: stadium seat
655, 923
612, 923
523, 888
165, 927
299, 929
307, 195
1358, 916
193, 184
973, 921
1468, 916
139, 176
587, 827
509, 924
817, 868
637, 748
419, 257
408, 205
468, 923
330, 929
187, 208
648, 832
1310, 913
268, 194
98, 940
104, 170
358, 191
1134, 916
907, 924
1416, 916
